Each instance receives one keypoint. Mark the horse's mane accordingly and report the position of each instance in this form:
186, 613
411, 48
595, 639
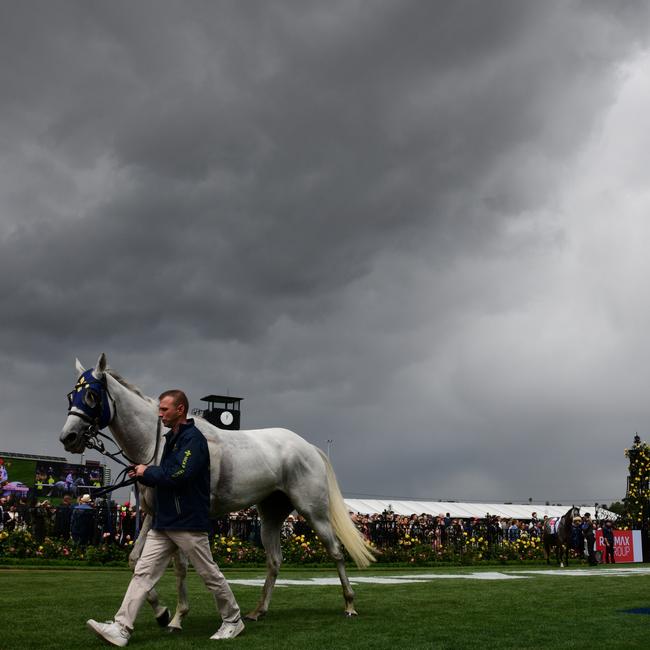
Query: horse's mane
132, 387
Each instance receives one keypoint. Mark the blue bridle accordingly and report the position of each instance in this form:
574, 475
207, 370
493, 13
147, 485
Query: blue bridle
91, 400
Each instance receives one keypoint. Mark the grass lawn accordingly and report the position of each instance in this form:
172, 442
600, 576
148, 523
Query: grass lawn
47, 609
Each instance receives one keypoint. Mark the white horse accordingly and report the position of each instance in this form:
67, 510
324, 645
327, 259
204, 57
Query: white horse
274, 469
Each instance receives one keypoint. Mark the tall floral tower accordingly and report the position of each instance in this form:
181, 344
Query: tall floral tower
637, 499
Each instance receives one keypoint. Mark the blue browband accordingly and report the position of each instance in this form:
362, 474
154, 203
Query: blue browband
90, 398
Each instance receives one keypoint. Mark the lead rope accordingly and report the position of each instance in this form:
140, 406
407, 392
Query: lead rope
92, 442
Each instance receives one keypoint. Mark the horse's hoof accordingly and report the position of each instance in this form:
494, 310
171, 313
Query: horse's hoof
350, 614
254, 616
164, 618
174, 630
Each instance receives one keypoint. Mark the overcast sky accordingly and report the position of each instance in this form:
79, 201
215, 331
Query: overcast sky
418, 229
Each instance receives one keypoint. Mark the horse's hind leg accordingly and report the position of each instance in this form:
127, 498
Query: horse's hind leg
315, 509
273, 511
325, 532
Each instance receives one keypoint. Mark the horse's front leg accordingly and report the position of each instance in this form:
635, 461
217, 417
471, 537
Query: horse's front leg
182, 604
160, 611
138, 545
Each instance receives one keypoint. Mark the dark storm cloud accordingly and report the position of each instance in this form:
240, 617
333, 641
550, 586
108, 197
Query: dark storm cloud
305, 202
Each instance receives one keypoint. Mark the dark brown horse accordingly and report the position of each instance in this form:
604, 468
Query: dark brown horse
559, 536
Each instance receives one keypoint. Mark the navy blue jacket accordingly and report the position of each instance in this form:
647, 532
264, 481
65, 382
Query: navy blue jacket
182, 481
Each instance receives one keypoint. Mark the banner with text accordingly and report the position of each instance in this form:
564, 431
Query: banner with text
627, 545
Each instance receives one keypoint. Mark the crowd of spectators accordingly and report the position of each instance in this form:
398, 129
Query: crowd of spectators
86, 522
81, 520
386, 528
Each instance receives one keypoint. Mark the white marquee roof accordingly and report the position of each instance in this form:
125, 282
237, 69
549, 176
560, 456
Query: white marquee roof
467, 510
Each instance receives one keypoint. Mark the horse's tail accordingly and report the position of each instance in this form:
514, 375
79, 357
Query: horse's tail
358, 548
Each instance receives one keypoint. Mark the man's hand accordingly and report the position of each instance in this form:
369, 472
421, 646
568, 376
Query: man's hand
137, 471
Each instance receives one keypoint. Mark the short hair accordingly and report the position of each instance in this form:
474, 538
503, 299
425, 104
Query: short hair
179, 397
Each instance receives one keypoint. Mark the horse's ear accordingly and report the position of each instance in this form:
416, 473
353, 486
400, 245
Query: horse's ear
100, 368
79, 367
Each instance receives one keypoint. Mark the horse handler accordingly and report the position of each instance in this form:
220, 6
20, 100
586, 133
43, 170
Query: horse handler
182, 484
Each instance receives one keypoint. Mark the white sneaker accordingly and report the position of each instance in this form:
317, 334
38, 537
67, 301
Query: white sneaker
229, 630
111, 632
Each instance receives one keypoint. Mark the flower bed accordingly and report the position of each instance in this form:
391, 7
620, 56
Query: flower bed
21, 545
297, 550
228, 551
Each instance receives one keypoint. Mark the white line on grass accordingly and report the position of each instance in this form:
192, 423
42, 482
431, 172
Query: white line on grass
412, 578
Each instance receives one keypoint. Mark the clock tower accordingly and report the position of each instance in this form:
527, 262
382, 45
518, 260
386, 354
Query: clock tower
223, 411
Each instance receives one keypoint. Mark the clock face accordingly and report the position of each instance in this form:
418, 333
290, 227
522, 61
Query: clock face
226, 418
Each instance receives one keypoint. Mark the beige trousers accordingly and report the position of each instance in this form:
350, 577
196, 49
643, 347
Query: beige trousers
156, 553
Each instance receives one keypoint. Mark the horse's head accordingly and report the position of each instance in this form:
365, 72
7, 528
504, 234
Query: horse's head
571, 515
89, 407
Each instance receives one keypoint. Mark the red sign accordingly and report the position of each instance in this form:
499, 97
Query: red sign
627, 545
